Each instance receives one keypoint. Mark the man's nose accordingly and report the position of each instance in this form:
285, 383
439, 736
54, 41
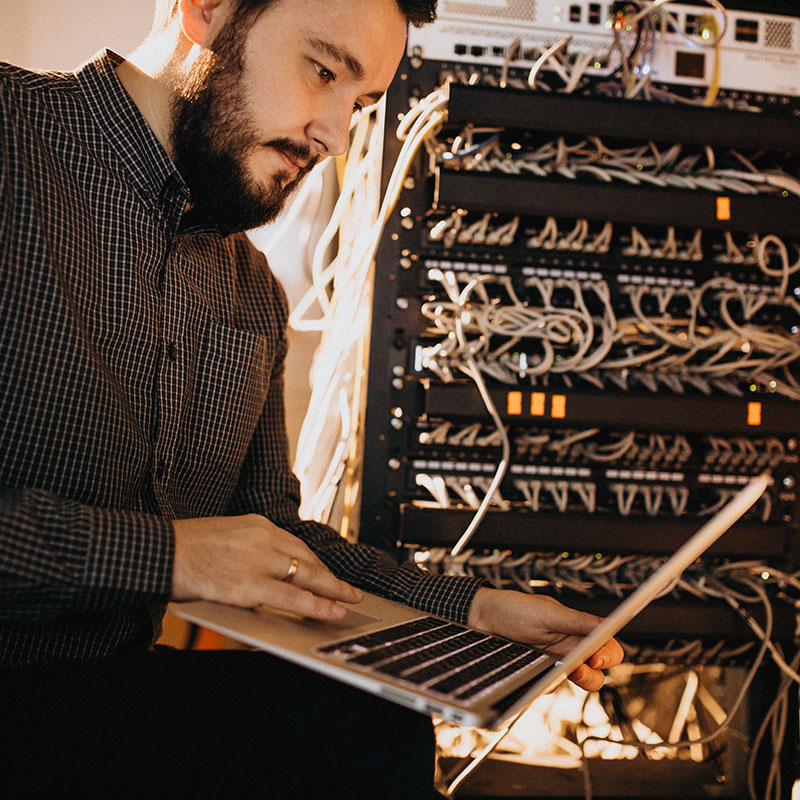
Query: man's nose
330, 131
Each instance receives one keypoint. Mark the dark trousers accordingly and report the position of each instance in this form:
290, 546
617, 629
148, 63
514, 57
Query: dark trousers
221, 724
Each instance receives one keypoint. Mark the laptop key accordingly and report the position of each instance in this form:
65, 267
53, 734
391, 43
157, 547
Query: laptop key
521, 663
440, 669
495, 667
450, 651
407, 645
385, 636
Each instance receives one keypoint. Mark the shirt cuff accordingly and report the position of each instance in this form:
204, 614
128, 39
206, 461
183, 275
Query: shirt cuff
446, 596
129, 559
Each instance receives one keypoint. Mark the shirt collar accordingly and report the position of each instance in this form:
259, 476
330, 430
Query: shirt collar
152, 170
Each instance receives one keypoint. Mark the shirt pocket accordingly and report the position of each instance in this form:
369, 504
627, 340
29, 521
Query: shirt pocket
227, 399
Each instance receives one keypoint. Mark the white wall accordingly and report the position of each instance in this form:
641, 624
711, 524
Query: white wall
61, 34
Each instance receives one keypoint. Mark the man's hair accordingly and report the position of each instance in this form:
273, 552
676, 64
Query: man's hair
418, 12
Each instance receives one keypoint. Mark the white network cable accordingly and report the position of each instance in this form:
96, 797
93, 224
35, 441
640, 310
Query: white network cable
650, 41
342, 291
739, 584
643, 164
472, 370
635, 62
712, 42
765, 637
692, 349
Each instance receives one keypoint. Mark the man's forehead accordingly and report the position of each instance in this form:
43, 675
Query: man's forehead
363, 35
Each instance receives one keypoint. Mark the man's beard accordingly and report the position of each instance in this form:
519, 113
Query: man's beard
213, 135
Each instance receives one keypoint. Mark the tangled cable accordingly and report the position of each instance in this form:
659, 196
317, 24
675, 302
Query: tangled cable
699, 336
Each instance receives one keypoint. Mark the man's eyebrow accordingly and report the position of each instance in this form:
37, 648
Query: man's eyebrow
342, 56
337, 54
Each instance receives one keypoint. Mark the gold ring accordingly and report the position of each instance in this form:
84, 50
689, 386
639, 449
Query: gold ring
292, 569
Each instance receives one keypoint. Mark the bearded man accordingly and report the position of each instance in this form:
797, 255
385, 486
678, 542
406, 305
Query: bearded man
142, 448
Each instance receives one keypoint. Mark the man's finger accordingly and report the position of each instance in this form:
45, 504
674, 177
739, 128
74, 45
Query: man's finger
287, 597
587, 678
609, 655
311, 574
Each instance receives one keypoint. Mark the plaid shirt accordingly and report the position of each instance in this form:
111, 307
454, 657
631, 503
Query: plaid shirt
141, 359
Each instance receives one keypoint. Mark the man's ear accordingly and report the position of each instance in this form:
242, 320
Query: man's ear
196, 18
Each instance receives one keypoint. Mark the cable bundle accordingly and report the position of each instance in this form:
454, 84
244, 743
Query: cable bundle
700, 336
646, 164
342, 292
742, 585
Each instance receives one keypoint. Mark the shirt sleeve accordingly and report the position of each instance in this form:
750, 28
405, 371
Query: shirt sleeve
268, 487
60, 557
3, 145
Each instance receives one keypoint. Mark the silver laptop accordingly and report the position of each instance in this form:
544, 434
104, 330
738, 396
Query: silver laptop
435, 666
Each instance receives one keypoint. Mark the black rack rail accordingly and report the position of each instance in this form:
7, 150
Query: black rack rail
528, 110
642, 205
757, 413
554, 533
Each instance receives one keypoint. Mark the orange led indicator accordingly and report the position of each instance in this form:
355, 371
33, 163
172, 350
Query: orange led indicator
559, 406
723, 208
515, 403
537, 404
754, 413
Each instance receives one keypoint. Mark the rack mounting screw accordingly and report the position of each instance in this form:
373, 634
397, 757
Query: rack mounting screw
394, 463
402, 303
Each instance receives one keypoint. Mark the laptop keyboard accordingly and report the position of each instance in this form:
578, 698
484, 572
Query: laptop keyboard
438, 655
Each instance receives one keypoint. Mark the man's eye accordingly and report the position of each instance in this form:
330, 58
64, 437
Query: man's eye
326, 76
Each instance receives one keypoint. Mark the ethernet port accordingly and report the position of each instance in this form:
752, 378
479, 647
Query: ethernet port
746, 30
575, 13
595, 13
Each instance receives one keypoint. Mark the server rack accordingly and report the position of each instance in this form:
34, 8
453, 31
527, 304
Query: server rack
541, 241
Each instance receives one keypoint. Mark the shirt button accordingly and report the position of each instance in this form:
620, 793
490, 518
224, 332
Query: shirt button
172, 351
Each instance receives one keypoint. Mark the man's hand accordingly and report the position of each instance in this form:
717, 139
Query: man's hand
544, 622
245, 561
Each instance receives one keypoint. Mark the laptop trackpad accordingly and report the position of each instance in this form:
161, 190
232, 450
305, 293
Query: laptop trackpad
351, 619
